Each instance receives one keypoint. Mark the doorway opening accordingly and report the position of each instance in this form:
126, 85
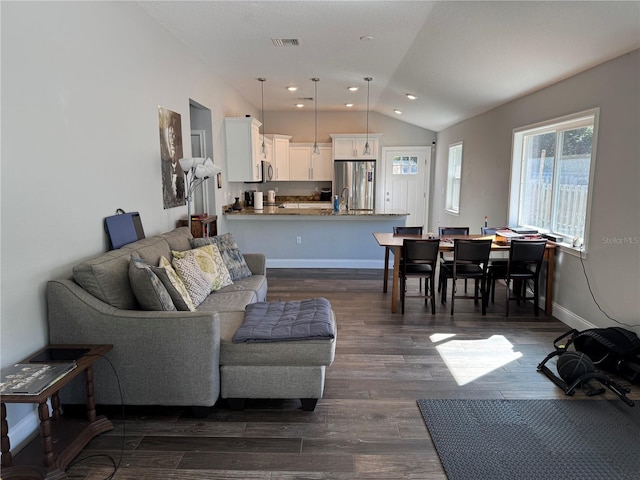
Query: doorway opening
202, 146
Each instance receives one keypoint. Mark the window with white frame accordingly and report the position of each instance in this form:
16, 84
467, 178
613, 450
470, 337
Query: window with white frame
551, 176
405, 165
453, 178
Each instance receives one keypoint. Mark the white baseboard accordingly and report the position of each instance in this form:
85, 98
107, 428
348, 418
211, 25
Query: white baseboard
571, 319
323, 263
24, 431
566, 316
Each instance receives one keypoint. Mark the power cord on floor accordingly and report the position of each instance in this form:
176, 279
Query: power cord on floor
619, 322
116, 466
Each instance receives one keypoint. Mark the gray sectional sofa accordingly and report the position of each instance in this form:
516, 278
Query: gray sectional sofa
178, 357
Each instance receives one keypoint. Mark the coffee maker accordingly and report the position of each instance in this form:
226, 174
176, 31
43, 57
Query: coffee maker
248, 198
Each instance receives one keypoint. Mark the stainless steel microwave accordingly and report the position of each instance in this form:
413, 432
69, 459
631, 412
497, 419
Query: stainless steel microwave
267, 172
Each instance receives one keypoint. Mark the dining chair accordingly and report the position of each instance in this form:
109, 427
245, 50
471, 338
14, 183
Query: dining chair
419, 260
524, 264
470, 261
490, 230
445, 231
399, 230
407, 230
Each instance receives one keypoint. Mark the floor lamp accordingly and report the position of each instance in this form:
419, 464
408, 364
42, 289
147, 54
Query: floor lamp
196, 171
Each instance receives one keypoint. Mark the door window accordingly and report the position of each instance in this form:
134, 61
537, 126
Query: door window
405, 165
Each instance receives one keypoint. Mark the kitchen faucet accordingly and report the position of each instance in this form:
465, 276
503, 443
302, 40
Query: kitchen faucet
346, 200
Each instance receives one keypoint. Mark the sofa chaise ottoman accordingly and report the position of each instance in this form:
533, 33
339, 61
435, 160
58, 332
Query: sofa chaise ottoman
293, 368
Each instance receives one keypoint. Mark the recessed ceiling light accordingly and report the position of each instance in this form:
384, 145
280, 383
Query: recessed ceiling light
411, 96
398, 112
366, 38
353, 89
348, 105
299, 105
292, 88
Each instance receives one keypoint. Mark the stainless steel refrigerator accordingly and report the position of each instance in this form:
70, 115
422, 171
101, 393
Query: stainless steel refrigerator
354, 182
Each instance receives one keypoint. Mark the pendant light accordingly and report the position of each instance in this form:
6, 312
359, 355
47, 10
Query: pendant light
367, 149
316, 150
263, 149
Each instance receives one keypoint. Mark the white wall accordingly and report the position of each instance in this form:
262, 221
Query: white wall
81, 83
612, 268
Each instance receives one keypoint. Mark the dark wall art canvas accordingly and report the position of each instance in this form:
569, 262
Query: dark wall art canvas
173, 193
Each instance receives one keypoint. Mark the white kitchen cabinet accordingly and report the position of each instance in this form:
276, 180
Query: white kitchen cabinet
243, 142
351, 146
306, 166
300, 162
280, 159
322, 165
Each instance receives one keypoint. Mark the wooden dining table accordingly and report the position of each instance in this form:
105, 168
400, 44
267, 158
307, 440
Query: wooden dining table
393, 242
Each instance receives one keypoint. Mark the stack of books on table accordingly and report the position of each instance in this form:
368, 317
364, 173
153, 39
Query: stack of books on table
504, 236
32, 378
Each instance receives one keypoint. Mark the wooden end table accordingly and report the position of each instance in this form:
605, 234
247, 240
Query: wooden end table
61, 439
202, 225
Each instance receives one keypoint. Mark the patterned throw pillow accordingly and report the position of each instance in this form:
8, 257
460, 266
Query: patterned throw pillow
149, 291
204, 259
233, 259
174, 285
193, 278
211, 264
224, 276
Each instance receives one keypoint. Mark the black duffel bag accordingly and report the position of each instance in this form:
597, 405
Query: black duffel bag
612, 349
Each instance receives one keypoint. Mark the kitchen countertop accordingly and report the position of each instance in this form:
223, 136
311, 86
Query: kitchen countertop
275, 211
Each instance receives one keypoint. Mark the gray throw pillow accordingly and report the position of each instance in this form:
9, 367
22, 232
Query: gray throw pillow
231, 255
178, 298
149, 291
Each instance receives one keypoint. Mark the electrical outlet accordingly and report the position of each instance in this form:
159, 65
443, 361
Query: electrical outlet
298, 239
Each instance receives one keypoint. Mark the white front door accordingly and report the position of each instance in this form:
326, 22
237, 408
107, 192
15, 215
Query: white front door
406, 182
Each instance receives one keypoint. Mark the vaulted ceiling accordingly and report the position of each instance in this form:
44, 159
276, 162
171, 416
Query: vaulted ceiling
458, 58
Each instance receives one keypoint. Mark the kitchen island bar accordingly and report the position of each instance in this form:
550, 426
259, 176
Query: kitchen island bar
279, 211
313, 238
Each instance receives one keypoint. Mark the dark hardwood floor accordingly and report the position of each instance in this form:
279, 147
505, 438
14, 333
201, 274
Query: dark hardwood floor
368, 425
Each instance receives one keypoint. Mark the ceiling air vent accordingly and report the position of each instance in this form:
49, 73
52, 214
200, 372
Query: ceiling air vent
286, 42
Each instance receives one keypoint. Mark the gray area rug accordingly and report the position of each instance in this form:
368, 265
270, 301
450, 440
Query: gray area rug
535, 439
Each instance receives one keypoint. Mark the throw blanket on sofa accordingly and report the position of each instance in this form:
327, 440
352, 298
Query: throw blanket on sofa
282, 321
